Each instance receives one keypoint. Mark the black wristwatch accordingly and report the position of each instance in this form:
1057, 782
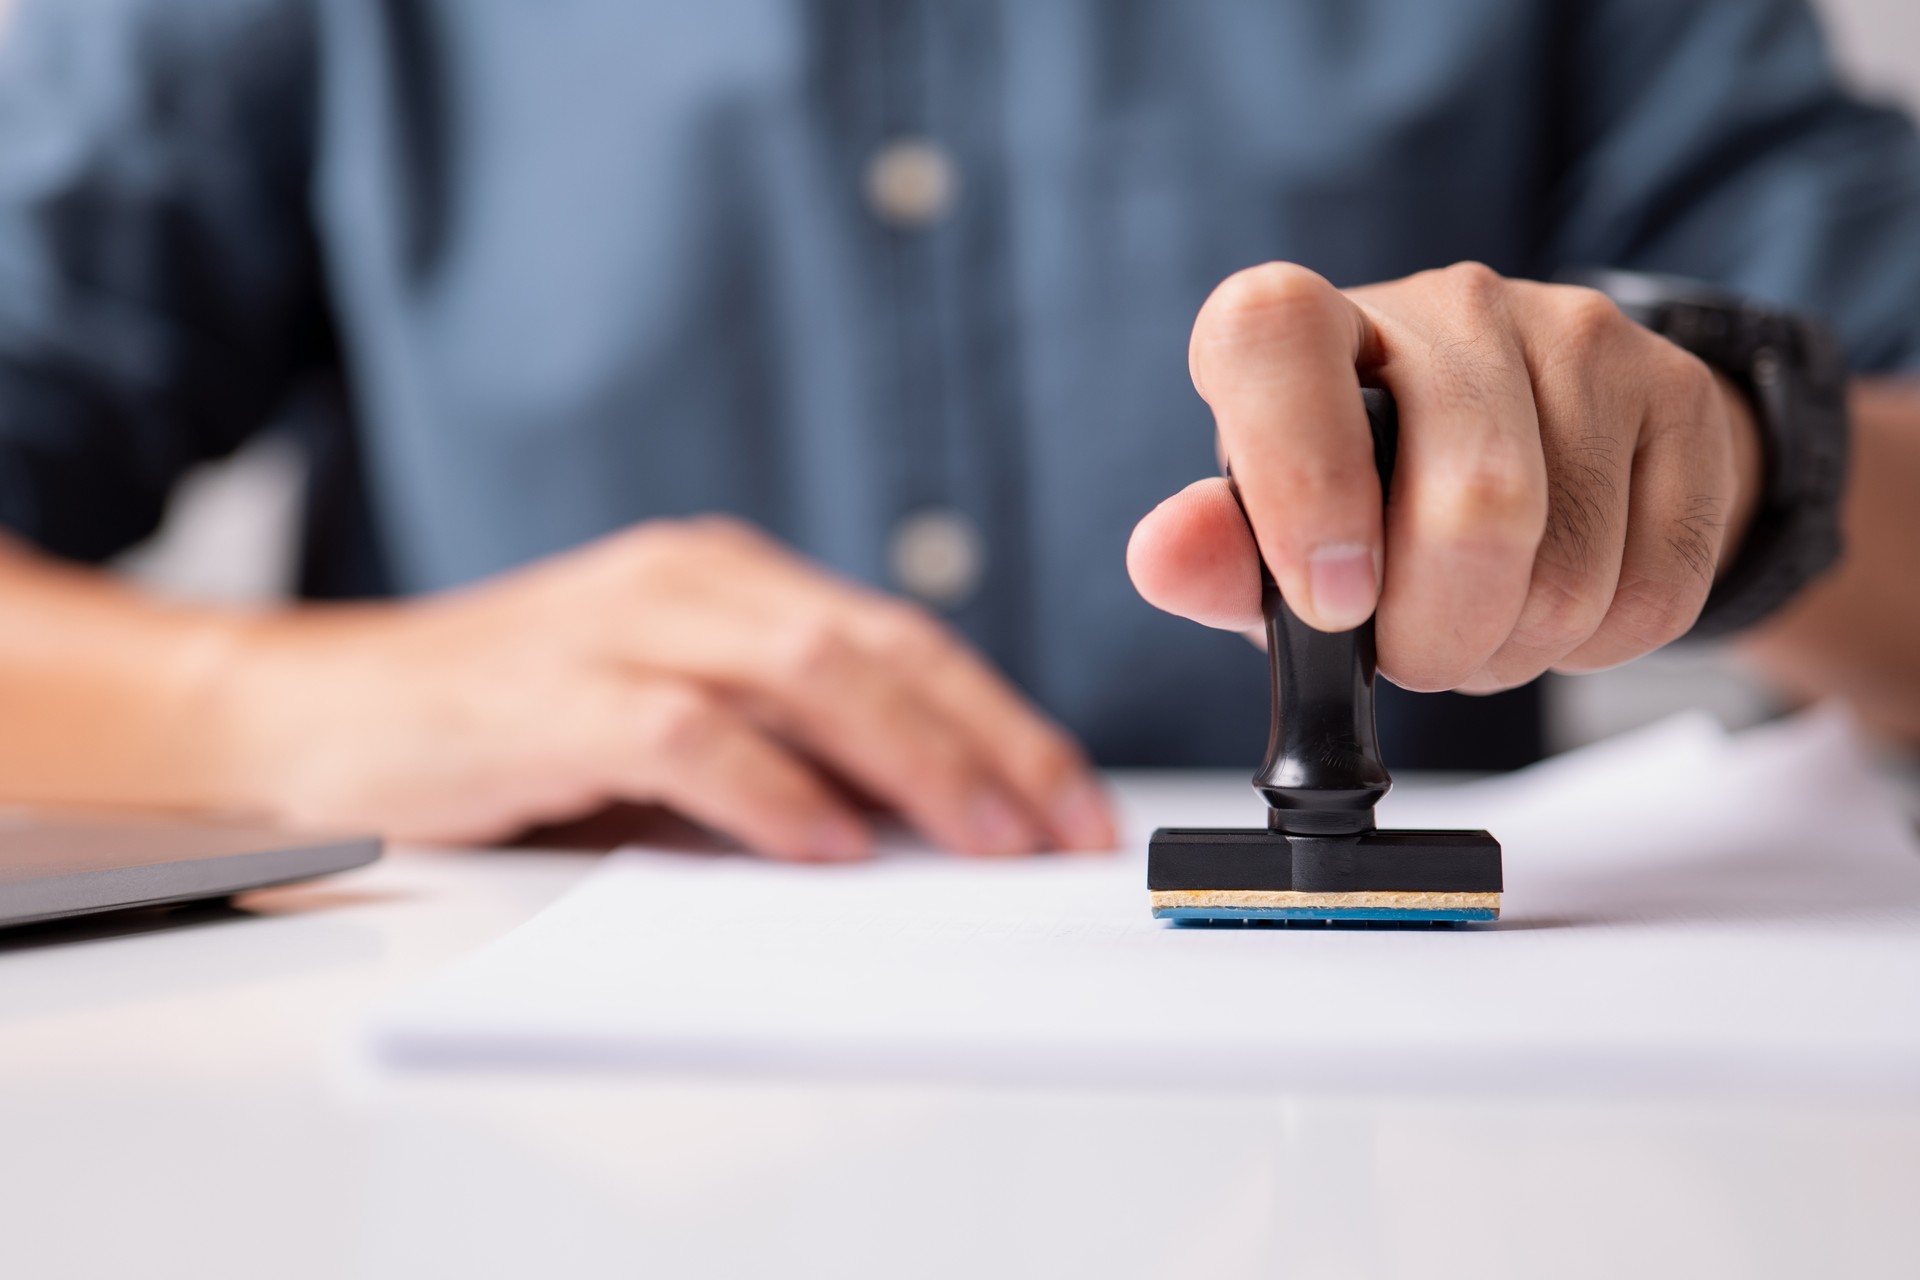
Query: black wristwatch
1794, 373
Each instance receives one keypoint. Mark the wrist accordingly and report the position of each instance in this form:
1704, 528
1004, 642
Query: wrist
112, 697
278, 690
228, 681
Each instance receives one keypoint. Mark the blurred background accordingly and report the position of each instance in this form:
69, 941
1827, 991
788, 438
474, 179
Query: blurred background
231, 530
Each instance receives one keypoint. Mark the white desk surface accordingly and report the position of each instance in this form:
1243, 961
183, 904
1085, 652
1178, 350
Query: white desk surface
192, 1101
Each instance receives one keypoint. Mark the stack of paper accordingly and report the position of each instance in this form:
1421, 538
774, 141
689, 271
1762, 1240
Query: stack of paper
1682, 907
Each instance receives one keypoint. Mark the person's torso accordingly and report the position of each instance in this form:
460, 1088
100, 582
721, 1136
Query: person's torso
838, 266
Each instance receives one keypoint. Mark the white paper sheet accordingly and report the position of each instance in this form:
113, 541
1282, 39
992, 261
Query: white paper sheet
1682, 907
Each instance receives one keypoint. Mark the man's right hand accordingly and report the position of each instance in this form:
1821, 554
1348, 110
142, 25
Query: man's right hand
694, 664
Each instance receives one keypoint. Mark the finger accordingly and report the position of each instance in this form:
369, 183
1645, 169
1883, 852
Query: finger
1273, 353
1038, 763
801, 642
1677, 510
670, 742
788, 635
1193, 556
875, 726
789, 651
1469, 502
1584, 355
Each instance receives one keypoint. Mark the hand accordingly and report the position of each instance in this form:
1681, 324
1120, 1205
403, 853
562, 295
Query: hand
696, 664
1567, 482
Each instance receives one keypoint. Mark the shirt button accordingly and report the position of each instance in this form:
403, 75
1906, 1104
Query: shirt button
911, 183
938, 555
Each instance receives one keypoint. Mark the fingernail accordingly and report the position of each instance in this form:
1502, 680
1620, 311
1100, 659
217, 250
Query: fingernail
1083, 817
998, 827
839, 840
1343, 579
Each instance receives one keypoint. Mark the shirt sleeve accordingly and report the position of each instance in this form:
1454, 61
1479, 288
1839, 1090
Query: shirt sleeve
158, 281
1713, 139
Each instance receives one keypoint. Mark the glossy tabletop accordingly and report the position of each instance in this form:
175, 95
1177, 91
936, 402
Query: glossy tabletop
194, 1099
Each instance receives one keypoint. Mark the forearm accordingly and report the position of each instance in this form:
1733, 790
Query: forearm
1856, 633
109, 696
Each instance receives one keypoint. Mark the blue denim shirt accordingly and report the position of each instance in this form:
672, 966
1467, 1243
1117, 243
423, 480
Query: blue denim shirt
530, 270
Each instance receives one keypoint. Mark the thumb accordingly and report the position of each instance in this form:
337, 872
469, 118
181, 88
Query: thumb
1193, 556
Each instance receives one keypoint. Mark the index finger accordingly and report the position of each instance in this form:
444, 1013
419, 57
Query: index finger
1003, 736
1032, 755
1037, 761
1275, 354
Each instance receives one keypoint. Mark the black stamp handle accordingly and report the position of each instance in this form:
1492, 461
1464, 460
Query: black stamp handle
1323, 772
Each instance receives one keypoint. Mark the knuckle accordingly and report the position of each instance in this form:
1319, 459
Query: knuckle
1686, 394
813, 650
1316, 484
639, 562
1490, 680
1650, 613
1496, 499
1418, 670
1474, 284
1252, 297
639, 545
1505, 670
665, 542
929, 769
908, 633
667, 556
1424, 658
1561, 612
721, 529
1588, 317
1053, 762
680, 721
958, 775
672, 542
1501, 490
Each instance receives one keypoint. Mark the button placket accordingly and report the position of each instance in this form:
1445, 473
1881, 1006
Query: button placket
911, 183
938, 555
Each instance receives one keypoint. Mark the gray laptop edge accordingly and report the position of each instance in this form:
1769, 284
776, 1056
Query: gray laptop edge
55, 864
